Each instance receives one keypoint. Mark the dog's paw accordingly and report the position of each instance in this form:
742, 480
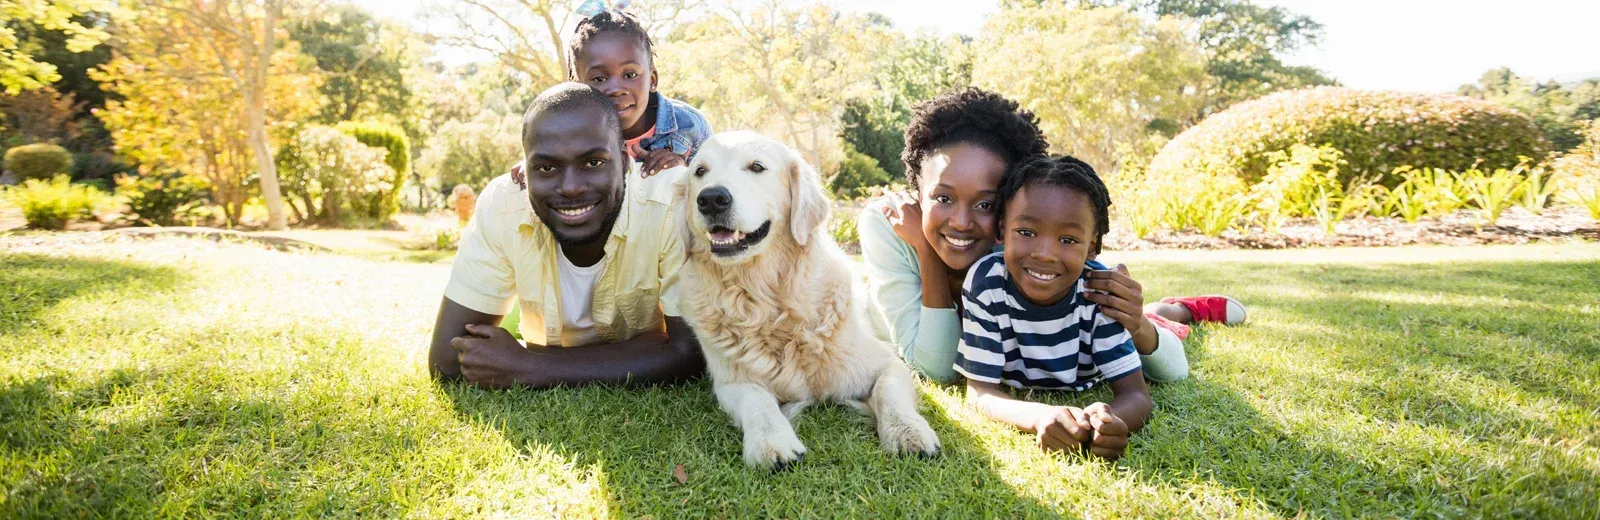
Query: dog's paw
909, 435
774, 451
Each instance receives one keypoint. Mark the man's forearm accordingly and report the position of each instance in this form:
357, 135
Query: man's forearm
645, 359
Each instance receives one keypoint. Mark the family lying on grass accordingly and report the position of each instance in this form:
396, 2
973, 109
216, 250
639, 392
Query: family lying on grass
637, 248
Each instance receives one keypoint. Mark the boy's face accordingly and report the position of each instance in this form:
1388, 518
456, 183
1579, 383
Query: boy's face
959, 182
1048, 233
618, 65
575, 170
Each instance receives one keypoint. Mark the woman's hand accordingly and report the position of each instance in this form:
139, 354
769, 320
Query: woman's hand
1120, 297
905, 216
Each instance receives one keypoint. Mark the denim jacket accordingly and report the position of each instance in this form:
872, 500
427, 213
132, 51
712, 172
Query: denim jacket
679, 127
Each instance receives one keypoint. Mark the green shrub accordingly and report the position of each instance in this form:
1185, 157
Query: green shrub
54, 203
857, 173
1578, 172
163, 199
844, 231
384, 203
1376, 132
328, 171
38, 161
1492, 192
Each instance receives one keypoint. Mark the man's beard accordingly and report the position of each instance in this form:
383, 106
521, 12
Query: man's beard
600, 234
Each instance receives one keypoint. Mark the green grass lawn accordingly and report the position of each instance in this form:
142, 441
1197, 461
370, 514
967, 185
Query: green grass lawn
185, 378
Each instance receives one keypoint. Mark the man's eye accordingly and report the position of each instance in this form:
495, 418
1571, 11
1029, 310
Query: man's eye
1025, 232
595, 163
544, 168
757, 167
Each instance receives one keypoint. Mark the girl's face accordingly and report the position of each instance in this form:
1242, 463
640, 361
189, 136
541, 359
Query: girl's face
618, 65
958, 183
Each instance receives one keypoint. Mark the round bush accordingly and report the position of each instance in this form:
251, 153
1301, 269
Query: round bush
1375, 131
382, 204
38, 161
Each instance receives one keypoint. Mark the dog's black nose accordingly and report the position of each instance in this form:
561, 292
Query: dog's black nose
714, 201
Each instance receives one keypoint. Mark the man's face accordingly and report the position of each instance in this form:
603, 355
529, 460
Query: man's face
576, 171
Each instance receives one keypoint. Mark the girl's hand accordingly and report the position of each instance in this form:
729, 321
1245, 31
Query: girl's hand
905, 216
655, 160
1121, 297
1064, 428
1110, 433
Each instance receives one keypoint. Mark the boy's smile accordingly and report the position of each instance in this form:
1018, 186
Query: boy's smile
620, 66
1048, 235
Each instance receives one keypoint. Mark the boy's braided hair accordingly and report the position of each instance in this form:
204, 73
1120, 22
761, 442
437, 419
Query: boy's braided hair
1065, 171
607, 21
972, 116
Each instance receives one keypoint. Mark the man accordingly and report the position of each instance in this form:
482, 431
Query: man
585, 246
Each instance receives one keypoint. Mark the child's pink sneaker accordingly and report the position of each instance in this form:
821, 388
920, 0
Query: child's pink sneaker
1220, 309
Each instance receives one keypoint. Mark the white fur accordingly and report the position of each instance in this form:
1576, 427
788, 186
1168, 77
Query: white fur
779, 324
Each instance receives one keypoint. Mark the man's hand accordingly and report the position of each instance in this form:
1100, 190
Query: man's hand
487, 354
1065, 428
1110, 433
656, 160
1121, 297
905, 216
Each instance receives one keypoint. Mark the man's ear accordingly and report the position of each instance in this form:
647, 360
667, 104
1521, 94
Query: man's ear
808, 204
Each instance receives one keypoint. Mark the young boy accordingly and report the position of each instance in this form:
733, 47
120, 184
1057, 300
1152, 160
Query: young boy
1027, 324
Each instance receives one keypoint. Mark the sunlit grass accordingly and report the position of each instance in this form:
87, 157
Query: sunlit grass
185, 378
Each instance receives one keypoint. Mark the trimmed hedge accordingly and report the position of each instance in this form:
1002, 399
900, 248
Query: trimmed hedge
1375, 131
385, 203
38, 161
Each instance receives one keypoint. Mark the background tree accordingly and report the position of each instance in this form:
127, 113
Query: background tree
785, 71
364, 63
19, 70
530, 37
208, 114
918, 69
1113, 74
1557, 109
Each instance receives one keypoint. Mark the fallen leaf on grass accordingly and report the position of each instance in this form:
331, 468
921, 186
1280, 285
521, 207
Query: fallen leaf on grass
679, 474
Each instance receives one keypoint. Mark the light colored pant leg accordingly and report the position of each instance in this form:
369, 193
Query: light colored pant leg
1168, 363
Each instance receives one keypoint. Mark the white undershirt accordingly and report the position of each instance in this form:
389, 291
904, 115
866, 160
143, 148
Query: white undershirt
577, 299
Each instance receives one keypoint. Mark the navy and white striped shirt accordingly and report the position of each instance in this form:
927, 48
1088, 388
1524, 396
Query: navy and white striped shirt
1006, 338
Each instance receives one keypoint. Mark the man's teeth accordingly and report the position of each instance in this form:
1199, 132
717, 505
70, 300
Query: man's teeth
731, 240
575, 211
958, 242
1041, 276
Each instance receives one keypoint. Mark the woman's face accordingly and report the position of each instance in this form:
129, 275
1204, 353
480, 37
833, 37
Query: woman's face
958, 183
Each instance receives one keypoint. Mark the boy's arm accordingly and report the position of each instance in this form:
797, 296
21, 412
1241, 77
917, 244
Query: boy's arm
1056, 427
1131, 401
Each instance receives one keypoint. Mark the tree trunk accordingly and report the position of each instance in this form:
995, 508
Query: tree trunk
256, 108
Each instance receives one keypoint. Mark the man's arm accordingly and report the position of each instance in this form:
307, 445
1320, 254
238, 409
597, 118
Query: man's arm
452, 323
489, 357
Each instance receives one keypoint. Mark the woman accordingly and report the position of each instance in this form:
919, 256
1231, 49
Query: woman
918, 248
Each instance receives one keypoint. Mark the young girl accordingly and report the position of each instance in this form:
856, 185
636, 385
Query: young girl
918, 248
612, 51
1028, 322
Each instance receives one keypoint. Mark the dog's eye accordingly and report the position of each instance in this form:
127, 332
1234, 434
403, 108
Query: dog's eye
757, 167
700, 172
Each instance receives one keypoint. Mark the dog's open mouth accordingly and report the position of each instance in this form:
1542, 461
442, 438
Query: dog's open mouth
725, 241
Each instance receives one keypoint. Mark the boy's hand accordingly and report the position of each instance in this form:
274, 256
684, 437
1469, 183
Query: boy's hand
905, 216
1120, 297
1110, 433
655, 160
1066, 428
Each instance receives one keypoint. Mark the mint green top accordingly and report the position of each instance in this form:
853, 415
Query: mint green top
927, 337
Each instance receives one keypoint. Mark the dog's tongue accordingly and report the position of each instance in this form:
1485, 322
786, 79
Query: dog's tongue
722, 235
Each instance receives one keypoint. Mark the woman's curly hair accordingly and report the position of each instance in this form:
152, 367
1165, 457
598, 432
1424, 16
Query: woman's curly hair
972, 116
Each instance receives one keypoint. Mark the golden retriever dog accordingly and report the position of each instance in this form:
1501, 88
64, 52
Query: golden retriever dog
769, 295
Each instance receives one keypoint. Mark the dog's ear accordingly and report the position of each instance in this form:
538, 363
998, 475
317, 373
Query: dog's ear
808, 204
680, 201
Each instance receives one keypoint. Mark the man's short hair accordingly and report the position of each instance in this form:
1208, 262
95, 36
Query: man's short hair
568, 96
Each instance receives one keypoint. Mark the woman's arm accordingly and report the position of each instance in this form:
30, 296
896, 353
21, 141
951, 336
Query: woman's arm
926, 336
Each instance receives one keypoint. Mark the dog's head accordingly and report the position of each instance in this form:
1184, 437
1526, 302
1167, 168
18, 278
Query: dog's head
742, 192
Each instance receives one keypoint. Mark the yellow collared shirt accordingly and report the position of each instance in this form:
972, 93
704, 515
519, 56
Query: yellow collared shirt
506, 252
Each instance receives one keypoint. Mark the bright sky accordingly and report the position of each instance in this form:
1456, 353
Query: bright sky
1428, 45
